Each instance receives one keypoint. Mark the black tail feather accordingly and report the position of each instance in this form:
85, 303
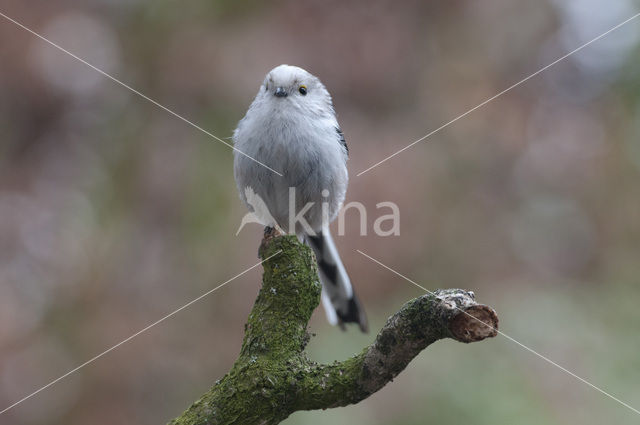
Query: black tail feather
336, 284
354, 314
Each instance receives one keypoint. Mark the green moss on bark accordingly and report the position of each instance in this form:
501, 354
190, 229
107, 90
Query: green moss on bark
273, 377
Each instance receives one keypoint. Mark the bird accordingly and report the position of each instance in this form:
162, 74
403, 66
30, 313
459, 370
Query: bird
291, 127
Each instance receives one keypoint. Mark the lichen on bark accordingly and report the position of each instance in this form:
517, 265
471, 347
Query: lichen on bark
273, 377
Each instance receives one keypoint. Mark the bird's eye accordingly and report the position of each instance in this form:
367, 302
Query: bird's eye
303, 90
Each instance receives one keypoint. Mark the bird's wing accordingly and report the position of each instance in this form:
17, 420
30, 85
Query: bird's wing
342, 141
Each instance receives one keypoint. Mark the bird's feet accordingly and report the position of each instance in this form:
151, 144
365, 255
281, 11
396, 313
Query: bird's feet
270, 232
273, 232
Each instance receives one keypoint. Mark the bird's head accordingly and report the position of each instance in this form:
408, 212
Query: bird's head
293, 85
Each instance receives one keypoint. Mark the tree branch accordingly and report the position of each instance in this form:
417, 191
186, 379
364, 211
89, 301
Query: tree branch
273, 377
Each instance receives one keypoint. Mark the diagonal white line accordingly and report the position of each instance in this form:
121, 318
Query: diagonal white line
509, 338
142, 95
124, 341
500, 94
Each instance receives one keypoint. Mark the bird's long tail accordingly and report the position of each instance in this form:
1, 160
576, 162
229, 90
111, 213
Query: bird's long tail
340, 302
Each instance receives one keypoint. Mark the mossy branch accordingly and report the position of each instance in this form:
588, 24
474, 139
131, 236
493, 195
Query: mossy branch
273, 377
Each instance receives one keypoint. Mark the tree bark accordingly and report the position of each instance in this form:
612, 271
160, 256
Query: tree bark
272, 377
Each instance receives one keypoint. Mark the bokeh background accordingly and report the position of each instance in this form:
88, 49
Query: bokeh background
114, 213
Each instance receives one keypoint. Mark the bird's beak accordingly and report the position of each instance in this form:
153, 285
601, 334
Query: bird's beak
280, 92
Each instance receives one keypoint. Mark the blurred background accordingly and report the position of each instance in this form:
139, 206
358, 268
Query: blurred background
114, 213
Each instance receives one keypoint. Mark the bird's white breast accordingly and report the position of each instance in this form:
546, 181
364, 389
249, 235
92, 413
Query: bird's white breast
305, 149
